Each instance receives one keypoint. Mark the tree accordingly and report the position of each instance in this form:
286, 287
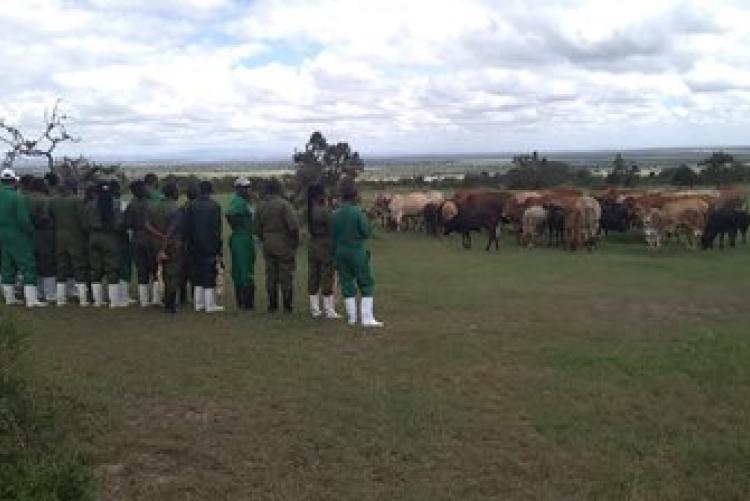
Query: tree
325, 163
684, 176
21, 146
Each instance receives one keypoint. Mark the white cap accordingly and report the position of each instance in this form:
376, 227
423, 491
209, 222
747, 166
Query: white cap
242, 182
7, 174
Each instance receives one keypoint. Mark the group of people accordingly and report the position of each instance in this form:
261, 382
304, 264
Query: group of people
61, 243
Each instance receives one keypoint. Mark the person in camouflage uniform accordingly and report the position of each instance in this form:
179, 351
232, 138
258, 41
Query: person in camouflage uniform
16, 240
204, 228
66, 210
144, 251
103, 221
166, 225
154, 197
320, 269
44, 238
349, 230
240, 219
277, 228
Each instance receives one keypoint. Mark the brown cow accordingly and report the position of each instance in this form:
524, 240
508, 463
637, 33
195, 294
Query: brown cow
681, 216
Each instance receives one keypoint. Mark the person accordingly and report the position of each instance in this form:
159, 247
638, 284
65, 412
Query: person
203, 226
44, 238
125, 268
16, 240
103, 221
187, 268
66, 211
278, 229
166, 224
151, 181
319, 260
349, 230
240, 219
144, 253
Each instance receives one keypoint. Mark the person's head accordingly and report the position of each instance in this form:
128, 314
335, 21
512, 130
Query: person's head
38, 185
70, 187
27, 180
205, 188
8, 177
105, 202
242, 187
170, 191
151, 180
52, 179
348, 192
89, 193
138, 189
192, 191
274, 187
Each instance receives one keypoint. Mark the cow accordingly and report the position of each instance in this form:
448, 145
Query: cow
474, 219
534, 222
678, 216
725, 221
447, 211
582, 217
379, 209
406, 206
555, 224
431, 216
615, 217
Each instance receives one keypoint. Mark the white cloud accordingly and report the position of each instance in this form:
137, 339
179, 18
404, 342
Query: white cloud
436, 75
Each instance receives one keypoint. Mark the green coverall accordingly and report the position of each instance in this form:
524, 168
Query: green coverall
277, 227
241, 242
349, 230
103, 244
70, 244
319, 258
44, 234
16, 238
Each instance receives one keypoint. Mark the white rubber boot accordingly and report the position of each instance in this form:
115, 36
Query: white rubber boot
125, 293
31, 295
97, 291
199, 298
83, 299
330, 308
368, 319
315, 306
115, 300
62, 297
9, 293
143, 295
50, 289
211, 306
350, 304
156, 294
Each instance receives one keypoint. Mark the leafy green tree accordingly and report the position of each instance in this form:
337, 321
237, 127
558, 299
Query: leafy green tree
325, 163
684, 176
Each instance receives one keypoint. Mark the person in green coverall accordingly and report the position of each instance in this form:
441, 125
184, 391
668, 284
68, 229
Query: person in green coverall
241, 245
103, 221
349, 230
320, 269
166, 223
66, 209
277, 227
17, 242
144, 252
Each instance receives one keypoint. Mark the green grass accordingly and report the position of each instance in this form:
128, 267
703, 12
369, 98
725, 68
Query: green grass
524, 374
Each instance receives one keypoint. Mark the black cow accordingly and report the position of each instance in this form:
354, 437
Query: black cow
724, 221
615, 217
555, 225
474, 219
431, 218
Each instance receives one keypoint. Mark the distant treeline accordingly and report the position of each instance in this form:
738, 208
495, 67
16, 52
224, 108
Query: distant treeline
534, 172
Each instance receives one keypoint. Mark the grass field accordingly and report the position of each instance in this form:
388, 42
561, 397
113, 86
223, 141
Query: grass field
618, 374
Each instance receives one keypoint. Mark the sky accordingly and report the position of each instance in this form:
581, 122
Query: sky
253, 79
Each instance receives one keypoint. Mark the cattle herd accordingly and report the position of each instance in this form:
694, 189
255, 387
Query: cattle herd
571, 218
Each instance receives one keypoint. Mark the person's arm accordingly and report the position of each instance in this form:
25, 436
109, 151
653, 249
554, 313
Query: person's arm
258, 222
219, 225
292, 224
363, 225
23, 219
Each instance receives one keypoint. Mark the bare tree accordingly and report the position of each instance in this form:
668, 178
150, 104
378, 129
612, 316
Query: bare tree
21, 146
